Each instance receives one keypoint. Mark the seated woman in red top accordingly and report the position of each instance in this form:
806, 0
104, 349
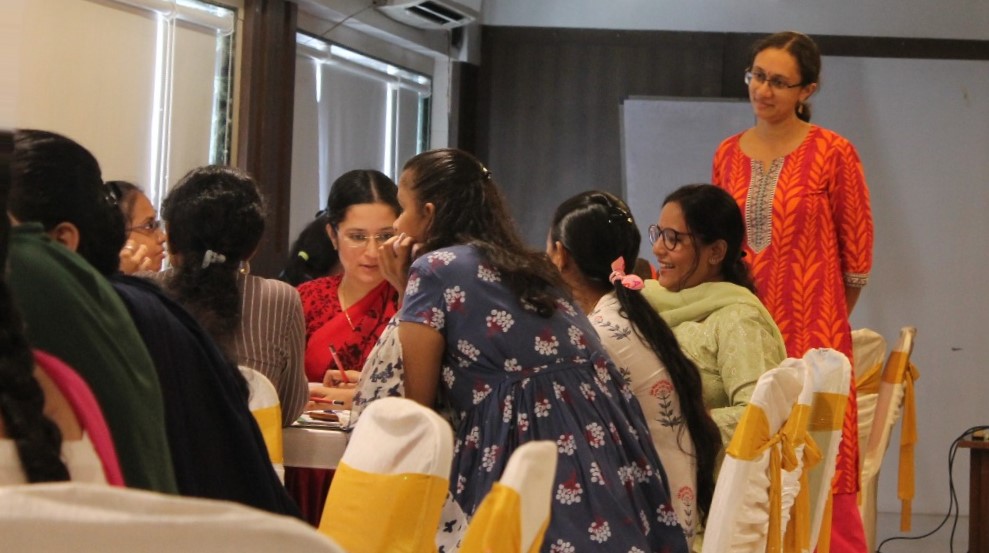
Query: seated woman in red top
346, 313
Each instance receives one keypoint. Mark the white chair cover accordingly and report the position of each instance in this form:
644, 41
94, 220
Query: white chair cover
739, 515
869, 351
389, 488
793, 422
894, 397
832, 380
267, 410
515, 514
90, 518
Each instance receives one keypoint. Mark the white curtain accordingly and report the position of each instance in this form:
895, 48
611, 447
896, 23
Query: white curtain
131, 80
348, 116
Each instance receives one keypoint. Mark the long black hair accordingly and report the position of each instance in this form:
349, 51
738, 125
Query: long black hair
37, 439
470, 209
213, 211
596, 228
711, 214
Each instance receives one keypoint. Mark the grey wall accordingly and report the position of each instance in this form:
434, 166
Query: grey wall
909, 18
922, 129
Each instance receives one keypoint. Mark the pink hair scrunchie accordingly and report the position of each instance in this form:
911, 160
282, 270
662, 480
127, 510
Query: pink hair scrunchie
632, 282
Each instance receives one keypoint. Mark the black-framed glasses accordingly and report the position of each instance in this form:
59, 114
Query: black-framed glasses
671, 238
761, 77
148, 228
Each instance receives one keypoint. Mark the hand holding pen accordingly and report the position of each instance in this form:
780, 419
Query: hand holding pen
342, 371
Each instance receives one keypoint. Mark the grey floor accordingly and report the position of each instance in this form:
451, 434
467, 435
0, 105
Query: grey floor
888, 525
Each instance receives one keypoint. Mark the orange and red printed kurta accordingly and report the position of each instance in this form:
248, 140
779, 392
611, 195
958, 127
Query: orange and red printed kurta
808, 234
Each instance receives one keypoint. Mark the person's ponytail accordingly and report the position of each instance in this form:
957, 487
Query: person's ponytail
686, 379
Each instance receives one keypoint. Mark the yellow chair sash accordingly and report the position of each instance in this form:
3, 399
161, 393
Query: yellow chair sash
750, 440
868, 382
367, 512
497, 525
269, 420
908, 440
827, 415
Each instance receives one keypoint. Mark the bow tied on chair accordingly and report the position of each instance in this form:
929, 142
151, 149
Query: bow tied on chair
751, 440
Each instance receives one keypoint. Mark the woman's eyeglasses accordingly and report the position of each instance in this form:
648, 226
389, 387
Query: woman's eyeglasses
671, 238
148, 227
360, 239
761, 77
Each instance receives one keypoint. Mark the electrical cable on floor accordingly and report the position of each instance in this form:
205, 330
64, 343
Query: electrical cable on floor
952, 496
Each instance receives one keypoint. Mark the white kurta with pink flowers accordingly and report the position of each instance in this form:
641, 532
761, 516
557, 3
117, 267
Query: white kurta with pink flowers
650, 382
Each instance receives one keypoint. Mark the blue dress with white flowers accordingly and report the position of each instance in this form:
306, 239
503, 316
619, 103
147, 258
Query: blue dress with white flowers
515, 377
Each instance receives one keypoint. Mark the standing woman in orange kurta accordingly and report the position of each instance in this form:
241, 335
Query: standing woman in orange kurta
808, 226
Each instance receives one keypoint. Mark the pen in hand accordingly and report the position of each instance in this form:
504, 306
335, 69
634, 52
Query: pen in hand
336, 359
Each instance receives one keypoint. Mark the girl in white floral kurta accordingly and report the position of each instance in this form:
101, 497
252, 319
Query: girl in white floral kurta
592, 238
651, 384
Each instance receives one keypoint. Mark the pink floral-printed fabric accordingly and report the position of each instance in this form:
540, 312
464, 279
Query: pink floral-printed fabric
513, 377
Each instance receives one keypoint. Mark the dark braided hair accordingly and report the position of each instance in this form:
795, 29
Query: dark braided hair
216, 209
711, 214
469, 209
596, 228
38, 440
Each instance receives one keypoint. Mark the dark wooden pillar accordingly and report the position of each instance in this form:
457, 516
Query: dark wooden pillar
267, 91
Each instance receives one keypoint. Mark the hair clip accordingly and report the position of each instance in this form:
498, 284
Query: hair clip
304, 255
632, 282
211, 257
485, 173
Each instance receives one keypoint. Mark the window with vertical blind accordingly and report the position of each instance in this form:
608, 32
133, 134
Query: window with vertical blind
351, 112
143, 84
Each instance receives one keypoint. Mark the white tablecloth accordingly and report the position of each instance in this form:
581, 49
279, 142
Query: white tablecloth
313, 447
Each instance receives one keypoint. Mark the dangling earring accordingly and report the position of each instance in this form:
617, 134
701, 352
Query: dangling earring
245, 267
801, 108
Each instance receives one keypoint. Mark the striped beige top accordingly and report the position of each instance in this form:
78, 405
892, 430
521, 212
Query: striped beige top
272, 340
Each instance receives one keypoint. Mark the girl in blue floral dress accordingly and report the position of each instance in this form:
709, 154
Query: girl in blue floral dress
484, 323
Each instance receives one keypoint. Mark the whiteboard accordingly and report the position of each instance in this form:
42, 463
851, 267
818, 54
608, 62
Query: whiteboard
669, 142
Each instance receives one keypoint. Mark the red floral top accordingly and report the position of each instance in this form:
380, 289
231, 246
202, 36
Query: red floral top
327, 325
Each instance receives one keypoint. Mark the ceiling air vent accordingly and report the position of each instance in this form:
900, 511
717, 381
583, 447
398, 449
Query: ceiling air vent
428, 14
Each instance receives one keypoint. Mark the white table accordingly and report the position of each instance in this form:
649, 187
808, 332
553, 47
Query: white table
313, 447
